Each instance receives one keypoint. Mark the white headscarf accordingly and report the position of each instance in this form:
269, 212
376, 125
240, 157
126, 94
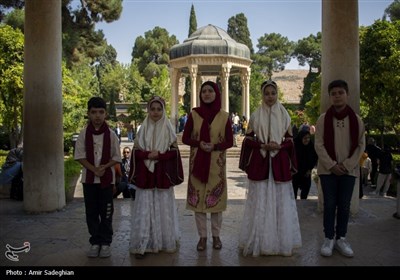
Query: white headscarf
155, 135
270, 123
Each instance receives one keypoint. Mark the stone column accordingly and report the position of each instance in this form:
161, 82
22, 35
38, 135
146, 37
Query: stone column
245, 78
43, 113
340, 57
193, 77
225, 72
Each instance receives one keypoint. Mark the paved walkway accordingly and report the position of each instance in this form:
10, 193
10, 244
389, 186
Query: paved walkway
61, 238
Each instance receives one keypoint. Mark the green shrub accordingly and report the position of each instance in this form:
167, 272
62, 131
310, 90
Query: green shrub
71, 169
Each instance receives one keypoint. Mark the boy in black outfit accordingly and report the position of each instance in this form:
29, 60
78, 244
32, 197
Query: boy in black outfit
97, 149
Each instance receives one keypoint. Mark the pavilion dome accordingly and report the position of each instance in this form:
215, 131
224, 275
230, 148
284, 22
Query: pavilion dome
210, 40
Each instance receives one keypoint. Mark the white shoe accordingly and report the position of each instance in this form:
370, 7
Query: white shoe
327, 247
94, 251
105, 251
344, 247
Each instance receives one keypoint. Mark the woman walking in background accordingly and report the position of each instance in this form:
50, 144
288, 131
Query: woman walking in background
306, 161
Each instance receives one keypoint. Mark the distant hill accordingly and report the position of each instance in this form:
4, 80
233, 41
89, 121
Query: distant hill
290, 83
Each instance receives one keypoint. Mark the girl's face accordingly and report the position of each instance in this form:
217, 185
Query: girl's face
270, 95
156, 111
207, 94
306, 139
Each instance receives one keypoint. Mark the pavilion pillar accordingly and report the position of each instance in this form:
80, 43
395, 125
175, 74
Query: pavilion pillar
43, 112
175, 78
193, 77
340, 58
226, 69
245, 78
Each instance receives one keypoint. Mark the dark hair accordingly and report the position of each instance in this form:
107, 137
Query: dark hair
96, 102
338, 83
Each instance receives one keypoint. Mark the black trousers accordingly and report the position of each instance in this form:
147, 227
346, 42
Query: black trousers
303, 183
99, 212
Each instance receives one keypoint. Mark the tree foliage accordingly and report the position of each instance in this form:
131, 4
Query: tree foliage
81, 42
239, 31
152, 50
379, 75
308, 50
192, 21
8, 4
393, 10
274, 53
16, 19
11, 82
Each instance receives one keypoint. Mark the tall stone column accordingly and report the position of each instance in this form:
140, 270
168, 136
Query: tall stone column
43, 112
225, 72
193, 77
340, 57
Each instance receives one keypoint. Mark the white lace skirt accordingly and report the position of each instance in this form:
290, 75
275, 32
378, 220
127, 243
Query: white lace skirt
154, 222
270, 224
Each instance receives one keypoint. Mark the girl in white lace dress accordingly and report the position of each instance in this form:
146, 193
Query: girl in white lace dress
270, 223
156, 169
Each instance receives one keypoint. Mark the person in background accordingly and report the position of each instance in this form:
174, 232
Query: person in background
385, 171
306, 161
122, 172
270, 224
97, 150
208, 132
118, 132
339, 143
11, 172
156, 167
365, 169
244, 125
374, 153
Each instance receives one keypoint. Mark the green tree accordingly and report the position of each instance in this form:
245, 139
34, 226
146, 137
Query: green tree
75, 98
10, 4
161, 86
239, 31
188, 82
81, 42
393, 11
152, 51
308, 50
16, 19
379, 75
11, 82
192, 21
312, 109
274, 52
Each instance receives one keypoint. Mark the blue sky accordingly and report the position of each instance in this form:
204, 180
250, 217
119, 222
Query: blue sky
294, 19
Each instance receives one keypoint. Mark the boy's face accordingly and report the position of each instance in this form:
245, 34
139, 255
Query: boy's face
97, 116
338, 97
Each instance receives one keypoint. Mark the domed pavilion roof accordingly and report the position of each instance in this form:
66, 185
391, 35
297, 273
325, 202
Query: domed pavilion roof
211, 40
